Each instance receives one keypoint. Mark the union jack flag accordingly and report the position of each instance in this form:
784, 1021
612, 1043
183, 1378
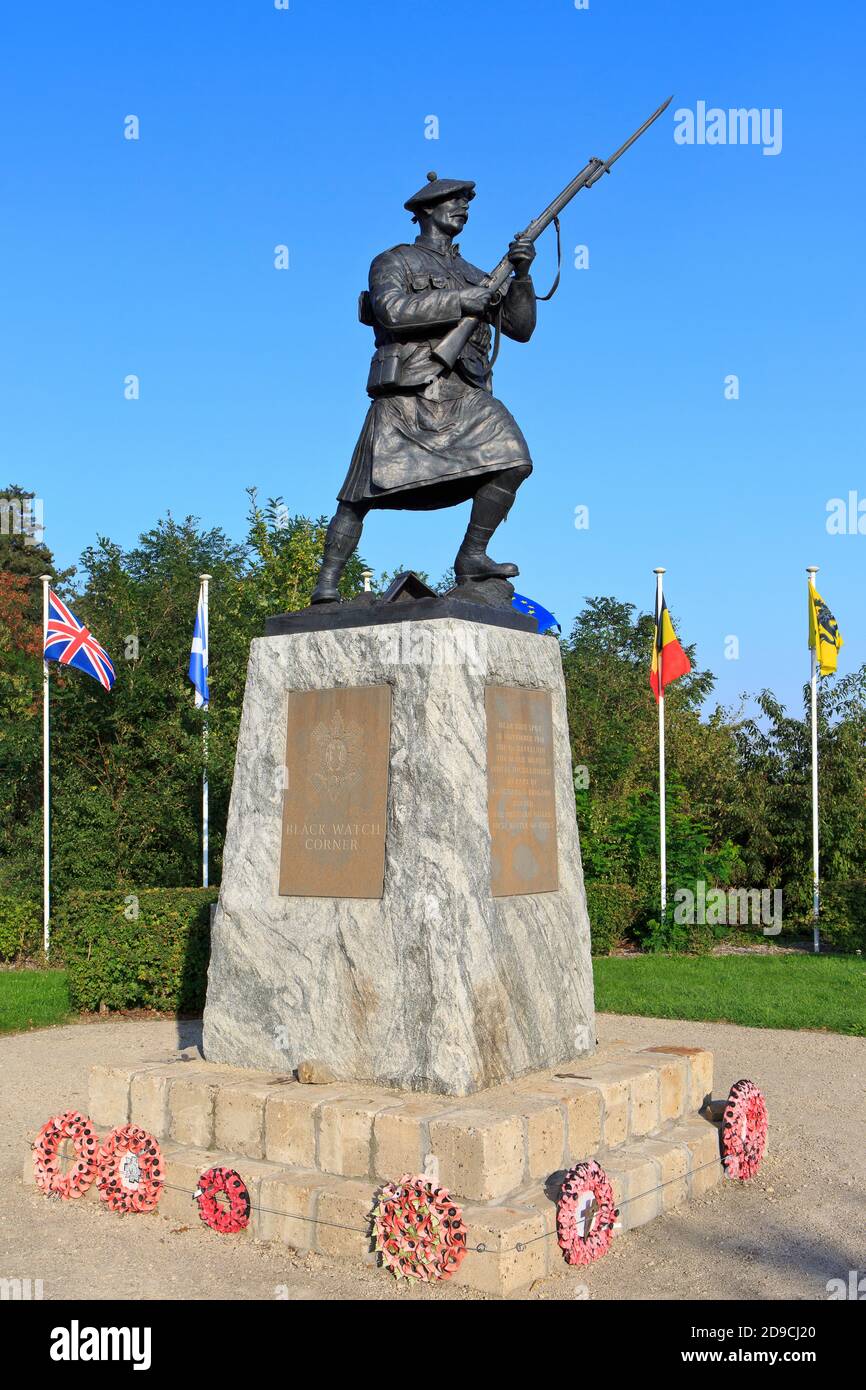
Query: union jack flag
69, 642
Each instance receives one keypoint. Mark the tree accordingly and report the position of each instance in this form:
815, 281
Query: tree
613, 719
23, 557
776, 758
126, 766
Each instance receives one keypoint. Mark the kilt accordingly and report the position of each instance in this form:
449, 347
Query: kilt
428, 443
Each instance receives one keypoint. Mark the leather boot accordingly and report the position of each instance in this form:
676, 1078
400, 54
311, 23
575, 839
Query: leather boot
341, 538
491, 506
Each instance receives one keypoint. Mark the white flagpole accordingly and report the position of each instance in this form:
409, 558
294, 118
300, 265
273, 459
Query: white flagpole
46, 787
662, 807
205, 578
812, 570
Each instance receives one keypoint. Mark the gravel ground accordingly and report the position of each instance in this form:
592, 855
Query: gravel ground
801, 1222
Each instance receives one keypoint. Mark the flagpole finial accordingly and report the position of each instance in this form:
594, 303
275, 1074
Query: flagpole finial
205, 576
812, 569
46, 578
660, 569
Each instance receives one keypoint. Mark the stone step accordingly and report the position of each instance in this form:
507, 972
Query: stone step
487, 1146
511, 1242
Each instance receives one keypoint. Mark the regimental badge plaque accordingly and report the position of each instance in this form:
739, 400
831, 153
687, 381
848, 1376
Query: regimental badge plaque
521, 794
335, 802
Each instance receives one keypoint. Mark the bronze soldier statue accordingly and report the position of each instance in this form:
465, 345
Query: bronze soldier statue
435, 436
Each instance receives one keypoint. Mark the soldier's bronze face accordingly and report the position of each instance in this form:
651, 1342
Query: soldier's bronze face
449, 216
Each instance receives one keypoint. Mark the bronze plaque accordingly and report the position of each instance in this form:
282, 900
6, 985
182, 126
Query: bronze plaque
521, 796
335, 804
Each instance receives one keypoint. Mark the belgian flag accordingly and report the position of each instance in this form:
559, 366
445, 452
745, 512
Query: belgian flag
667, 653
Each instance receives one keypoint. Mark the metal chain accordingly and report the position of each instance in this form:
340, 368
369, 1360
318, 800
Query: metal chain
481, 1248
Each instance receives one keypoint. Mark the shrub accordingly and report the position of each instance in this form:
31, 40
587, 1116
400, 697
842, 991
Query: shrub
842, 918
671, 937
614, 909
137, 950
20, 927
843, 908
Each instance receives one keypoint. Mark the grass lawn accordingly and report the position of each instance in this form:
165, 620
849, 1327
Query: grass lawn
32, 999
786, 991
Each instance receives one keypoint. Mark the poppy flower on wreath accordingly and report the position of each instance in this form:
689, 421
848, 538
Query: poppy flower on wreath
131, 1172
418, 1230
744, 1131
233, 1213
585, 1214
78, 1129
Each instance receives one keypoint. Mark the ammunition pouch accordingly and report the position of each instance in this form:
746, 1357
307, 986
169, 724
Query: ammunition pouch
386, 369
400, 367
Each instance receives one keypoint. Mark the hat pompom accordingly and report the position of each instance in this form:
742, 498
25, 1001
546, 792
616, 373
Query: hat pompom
435, 190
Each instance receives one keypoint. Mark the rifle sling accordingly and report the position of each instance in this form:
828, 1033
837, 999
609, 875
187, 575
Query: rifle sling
497, 322
554, 287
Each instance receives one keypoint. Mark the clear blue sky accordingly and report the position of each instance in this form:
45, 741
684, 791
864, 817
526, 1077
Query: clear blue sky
307, 127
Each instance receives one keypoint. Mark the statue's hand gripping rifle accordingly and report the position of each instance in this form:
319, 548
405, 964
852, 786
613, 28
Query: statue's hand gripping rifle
451, 346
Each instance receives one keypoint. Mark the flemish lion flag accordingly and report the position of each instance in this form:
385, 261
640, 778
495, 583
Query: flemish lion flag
824, 635
667, 652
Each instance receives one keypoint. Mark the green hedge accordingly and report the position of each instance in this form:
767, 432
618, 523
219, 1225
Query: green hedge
614, 909
843, 915
20, 927
843, 906
148, 949
620, 915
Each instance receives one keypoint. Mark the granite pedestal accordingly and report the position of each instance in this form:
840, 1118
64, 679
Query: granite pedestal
402, 896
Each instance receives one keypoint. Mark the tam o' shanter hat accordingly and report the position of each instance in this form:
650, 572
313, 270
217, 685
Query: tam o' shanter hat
435, 190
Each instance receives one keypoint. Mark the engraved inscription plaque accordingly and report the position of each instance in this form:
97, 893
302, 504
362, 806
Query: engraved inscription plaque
336, 799
521, 797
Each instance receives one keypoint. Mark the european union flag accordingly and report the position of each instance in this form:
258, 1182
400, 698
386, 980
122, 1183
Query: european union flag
546, 620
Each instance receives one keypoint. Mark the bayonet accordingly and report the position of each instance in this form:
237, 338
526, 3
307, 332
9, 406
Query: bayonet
451, 346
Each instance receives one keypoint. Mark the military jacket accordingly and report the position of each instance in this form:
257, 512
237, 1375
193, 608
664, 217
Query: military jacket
414, 299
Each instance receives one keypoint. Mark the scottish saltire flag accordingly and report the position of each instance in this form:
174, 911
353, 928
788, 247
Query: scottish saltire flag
824, 634
68, 641
546, 620
198, 658
667, 653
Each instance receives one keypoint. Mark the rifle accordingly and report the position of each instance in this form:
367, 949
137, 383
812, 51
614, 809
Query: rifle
451, 346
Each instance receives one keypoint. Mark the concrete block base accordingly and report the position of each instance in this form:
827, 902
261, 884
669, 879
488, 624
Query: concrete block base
313, 1157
